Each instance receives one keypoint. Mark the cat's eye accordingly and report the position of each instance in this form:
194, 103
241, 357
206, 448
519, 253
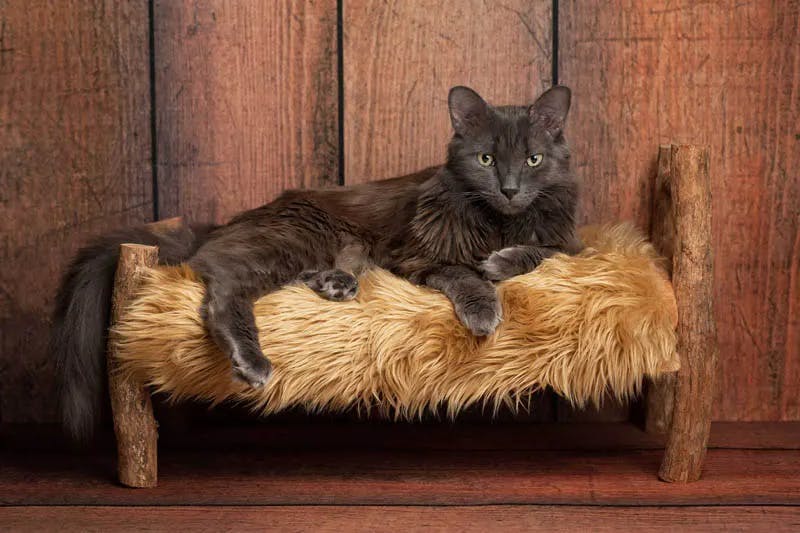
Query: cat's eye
535, 160
486, 160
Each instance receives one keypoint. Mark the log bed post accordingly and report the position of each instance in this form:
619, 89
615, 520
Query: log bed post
661, 392
682, 231
134, 424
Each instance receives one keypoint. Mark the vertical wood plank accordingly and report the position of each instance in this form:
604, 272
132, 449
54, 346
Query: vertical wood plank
74, 161
402, 57
246, 102
724, 74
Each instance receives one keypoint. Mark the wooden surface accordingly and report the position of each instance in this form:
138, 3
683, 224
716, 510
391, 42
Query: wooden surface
724, 74
74, 161
134, 425
326, 476
693, 281
246, 103
506, 518
402, 58
396, 477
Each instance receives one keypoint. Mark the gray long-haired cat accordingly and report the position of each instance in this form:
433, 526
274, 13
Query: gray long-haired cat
504, 200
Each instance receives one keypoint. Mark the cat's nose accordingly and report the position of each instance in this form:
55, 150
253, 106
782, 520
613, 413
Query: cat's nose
509, 191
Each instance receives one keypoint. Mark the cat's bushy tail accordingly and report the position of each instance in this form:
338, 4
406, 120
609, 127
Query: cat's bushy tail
81, 316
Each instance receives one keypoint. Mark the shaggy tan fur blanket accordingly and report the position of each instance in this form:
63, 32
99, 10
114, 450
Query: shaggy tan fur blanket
585, 326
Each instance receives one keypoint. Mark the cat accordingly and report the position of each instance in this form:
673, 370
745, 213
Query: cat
504, 200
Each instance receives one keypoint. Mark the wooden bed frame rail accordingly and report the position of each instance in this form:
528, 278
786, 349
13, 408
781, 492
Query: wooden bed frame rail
679, 405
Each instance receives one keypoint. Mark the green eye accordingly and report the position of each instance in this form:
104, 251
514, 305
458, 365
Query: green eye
535, 160
486, 160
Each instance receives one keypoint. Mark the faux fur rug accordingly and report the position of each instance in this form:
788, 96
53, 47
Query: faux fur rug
585, 326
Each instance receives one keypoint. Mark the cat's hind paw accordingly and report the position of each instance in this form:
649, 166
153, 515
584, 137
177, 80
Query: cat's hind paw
335, 285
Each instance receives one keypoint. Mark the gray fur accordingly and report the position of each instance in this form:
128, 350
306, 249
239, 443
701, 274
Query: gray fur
80, 320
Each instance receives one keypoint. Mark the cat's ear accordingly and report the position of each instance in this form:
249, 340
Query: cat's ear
550, 110
468, 111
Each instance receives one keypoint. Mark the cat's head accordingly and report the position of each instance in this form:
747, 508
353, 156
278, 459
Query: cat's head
508, 155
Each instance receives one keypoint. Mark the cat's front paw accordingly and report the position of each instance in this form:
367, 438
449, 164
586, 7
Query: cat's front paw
514, 261
481, 315
254, 370
504, 264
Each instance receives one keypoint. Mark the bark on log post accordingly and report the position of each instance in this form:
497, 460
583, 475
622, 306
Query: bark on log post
661, 392
693, 280
134, 424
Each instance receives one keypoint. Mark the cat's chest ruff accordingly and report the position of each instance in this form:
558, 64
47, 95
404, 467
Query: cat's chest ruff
470, 241
446, 229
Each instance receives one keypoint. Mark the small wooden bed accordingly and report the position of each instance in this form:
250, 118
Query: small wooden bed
678, 403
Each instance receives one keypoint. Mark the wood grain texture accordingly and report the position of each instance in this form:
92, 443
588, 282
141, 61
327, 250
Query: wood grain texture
396, 477
74, 162
246, 102
134, 425
723, 74
661, 391
693, 281
336, 519
402, 57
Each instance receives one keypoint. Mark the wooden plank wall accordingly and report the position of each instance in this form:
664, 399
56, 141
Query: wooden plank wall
74, 161
247, 103
402, 58
726, 74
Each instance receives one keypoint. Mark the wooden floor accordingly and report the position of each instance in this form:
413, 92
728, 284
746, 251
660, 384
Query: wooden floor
358, 477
